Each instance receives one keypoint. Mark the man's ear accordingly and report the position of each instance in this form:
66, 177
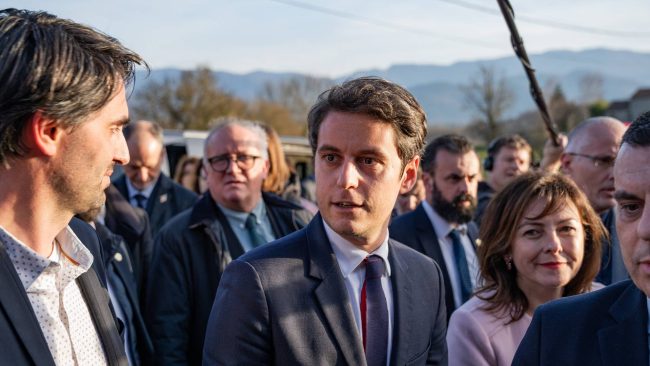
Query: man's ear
410, 175
42, 135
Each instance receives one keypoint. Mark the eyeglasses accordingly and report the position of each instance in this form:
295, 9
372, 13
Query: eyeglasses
598, 161
220, 163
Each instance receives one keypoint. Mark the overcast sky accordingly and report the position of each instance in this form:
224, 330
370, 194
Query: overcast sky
333, 38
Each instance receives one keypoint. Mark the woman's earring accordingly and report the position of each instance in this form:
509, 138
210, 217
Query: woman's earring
508, 259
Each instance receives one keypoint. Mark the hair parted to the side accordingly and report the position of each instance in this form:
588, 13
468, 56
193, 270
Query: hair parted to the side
499, 228
56, 67
378, 98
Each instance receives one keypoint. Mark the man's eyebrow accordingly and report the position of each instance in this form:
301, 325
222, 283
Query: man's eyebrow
622, 195
122, 121
327, 148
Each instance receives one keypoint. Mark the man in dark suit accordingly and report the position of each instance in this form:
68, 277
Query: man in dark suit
193, 249
340, 291
441, 225
63, 106
143, 184
609, 326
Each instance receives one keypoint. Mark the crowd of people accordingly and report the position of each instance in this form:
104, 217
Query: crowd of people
404, 253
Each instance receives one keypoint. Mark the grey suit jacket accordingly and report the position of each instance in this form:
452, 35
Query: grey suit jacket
416, 231
286, 304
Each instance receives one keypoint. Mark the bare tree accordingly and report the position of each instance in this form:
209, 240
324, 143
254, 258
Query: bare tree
489, 96
191, 102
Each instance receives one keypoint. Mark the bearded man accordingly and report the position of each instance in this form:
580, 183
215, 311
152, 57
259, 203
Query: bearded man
441, 227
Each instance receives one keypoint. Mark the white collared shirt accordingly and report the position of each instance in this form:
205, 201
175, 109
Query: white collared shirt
349, 258
56, 299
442, 229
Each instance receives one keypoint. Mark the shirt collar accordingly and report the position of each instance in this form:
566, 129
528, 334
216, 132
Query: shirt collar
145, 192
71, 249
440, 225
240, 217
349, 256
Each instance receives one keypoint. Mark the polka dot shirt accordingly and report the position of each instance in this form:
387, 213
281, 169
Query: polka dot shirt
56, 298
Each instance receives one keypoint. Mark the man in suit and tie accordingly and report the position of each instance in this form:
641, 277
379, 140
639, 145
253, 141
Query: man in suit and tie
193, 249
441, 225
143, 184
62, 108
340, 291
610, 326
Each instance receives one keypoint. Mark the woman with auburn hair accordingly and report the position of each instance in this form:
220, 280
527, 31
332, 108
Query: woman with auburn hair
540, 240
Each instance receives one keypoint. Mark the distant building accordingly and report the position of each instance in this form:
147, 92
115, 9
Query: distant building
629, 110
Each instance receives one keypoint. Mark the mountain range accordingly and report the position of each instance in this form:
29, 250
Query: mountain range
438, 87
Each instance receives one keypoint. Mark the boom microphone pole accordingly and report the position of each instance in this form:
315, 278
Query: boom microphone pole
520, 51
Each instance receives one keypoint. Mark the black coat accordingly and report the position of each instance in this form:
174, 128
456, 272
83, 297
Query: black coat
191, 253
121, 276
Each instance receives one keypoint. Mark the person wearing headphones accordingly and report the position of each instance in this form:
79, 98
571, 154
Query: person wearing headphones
508, 157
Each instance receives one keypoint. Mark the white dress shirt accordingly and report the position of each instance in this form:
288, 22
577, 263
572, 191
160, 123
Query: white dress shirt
349, 258
442, 229
56, 299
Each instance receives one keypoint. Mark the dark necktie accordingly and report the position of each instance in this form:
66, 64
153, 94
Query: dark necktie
374, 313
254, 231
462, 269
140, 200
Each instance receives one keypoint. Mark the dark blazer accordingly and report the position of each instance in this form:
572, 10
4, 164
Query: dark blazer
287, 304
190, 255
132, 225
416, 231
21, 339
121, 276
605, 327
167, 200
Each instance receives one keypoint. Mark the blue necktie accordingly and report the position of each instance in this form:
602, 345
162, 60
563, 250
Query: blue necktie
140, 200
376, 313
254, 231
462, 269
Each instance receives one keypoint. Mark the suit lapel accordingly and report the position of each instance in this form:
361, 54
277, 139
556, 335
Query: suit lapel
429, 239
15, 304
626, 342
331, 294
156, 203
96, 298
403, 306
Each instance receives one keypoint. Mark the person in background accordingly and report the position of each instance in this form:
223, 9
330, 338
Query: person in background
195, 247
441, 227
589, 161
188, 173
281, 180
507, 158
540, 241
143, 184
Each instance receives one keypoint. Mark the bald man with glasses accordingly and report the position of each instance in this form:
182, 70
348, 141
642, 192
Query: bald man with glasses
589, 160
194, 248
